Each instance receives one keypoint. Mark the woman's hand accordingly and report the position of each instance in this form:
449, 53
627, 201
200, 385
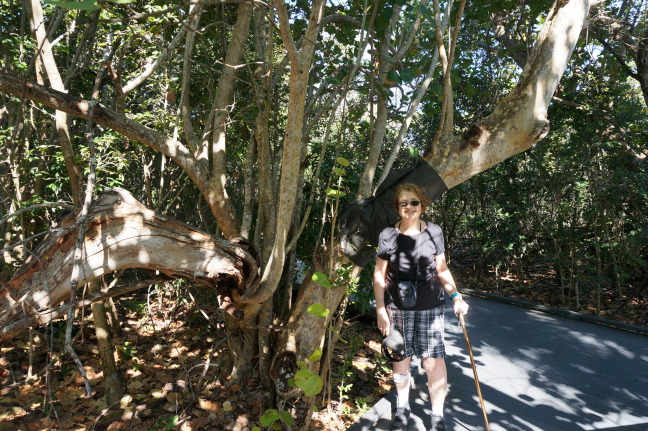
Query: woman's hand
383, 320
460, 306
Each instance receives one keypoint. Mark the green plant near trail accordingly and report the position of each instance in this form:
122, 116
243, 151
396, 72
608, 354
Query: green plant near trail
305, 379
380, 365
344, 374
362, 405
165, 423
272, 419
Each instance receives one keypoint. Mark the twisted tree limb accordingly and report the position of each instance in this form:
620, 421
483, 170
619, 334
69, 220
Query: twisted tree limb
122, 233
520, 120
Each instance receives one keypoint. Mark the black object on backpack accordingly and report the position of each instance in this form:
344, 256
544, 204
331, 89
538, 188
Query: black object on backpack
361, 221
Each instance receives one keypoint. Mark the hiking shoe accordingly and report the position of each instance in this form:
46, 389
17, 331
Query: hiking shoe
400, 417
437, 423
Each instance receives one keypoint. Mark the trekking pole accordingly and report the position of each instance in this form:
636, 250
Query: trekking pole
474, 367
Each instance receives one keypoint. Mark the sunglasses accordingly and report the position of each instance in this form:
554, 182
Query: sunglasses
403, 204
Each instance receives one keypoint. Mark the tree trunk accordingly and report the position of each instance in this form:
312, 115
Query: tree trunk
386, 63
304, 333
37, 23
218, 198
113, 382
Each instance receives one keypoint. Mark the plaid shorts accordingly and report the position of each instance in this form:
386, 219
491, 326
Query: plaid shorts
423, 330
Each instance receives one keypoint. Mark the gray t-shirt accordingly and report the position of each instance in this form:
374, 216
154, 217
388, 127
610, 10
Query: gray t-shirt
406, 254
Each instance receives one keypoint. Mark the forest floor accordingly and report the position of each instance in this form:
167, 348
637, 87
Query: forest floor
169, 359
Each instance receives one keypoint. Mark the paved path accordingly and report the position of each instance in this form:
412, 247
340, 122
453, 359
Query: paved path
538, 372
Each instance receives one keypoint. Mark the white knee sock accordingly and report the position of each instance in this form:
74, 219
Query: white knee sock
402, 382
437, 410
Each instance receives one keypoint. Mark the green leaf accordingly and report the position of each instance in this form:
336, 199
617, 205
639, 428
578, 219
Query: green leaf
407, 75
387, 11
318, 310
382, 23
332, 80
469, 91
309, 382
270, 416
344, 162
321, 279
70, 4
317, 354
287, 418
394, 76
302, 365
172, 422
339, 172
335, 193
427, 13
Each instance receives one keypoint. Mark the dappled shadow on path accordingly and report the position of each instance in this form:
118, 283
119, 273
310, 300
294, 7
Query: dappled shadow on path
541, 372
538, 372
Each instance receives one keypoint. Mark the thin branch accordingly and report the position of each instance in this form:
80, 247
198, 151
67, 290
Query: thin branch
363, 41
62, 204
446, 123
79, 107
184, 107
413, 107
284, 30
407, 43
567, 102
33, 237
446, 72
408, 119
82, 220
46, 316
619, 59
453, 45
138, 80
316, 177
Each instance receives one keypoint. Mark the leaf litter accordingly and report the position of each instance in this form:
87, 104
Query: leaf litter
162, 359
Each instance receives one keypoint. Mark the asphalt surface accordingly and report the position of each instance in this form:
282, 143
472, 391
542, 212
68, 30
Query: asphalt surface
537, 372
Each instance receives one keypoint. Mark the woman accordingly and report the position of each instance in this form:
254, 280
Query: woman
410, 282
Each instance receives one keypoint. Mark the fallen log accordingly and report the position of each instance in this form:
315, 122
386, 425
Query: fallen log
122, 233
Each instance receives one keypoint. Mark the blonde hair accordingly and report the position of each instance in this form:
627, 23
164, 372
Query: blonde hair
412, 188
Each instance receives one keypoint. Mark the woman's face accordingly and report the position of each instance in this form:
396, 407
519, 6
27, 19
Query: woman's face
408, 212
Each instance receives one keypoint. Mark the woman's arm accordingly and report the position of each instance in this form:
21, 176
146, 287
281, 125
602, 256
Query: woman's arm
379, 285
445, 277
